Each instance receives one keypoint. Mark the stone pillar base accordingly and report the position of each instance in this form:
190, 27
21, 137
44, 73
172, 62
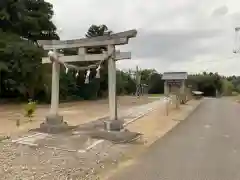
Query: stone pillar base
183, 98
54, 124
113, 125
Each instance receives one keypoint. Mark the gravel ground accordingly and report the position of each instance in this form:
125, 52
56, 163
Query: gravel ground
21, 162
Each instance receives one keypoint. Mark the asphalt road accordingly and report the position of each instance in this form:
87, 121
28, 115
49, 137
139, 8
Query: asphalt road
206, 146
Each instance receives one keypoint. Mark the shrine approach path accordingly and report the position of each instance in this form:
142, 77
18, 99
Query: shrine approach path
205, 146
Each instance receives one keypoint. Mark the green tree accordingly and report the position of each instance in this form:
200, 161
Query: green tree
125, 83
156, 84
207, 83
146, 75
30, 19
95, 31
227, 87
22, 23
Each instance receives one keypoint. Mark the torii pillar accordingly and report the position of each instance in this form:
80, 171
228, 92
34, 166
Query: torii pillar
54, 122
112, 85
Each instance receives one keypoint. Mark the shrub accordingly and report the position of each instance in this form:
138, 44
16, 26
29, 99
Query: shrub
234, 93
30, 108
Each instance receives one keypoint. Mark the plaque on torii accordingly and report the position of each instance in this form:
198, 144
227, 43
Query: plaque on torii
54, 122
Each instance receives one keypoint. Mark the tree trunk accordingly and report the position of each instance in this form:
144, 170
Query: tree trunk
30, 93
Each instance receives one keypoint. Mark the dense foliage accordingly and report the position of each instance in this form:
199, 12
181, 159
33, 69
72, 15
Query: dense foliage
22, 23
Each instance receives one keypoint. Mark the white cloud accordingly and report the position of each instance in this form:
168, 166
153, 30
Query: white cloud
173, 35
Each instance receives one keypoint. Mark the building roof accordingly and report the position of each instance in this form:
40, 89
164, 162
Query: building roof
174, 75
197, 92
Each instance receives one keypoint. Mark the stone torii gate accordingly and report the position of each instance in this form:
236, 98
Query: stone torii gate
54, 122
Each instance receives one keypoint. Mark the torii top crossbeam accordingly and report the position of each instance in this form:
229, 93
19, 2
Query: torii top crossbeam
113, 39
111, 55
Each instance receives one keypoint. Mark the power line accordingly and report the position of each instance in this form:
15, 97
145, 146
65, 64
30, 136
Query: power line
217, 60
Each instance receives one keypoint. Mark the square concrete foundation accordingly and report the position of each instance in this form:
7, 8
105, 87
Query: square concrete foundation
54, 124
113, 125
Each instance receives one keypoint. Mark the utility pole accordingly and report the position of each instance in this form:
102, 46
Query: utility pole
138, 82
237, 41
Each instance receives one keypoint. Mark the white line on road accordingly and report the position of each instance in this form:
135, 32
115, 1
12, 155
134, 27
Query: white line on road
94, 144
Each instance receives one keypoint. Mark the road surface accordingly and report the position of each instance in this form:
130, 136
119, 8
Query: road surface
206, 146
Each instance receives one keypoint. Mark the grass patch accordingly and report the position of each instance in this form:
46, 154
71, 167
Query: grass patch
2, 138
155, 95
237, 98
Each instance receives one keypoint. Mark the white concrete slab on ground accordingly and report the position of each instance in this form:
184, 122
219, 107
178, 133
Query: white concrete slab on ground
129, 116
33, 140
137, 112
30, 139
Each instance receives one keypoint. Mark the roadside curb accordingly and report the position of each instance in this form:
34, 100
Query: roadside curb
194, 109
190, 112
141, 115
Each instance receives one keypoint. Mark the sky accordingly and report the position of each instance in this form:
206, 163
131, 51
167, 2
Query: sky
173, 35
